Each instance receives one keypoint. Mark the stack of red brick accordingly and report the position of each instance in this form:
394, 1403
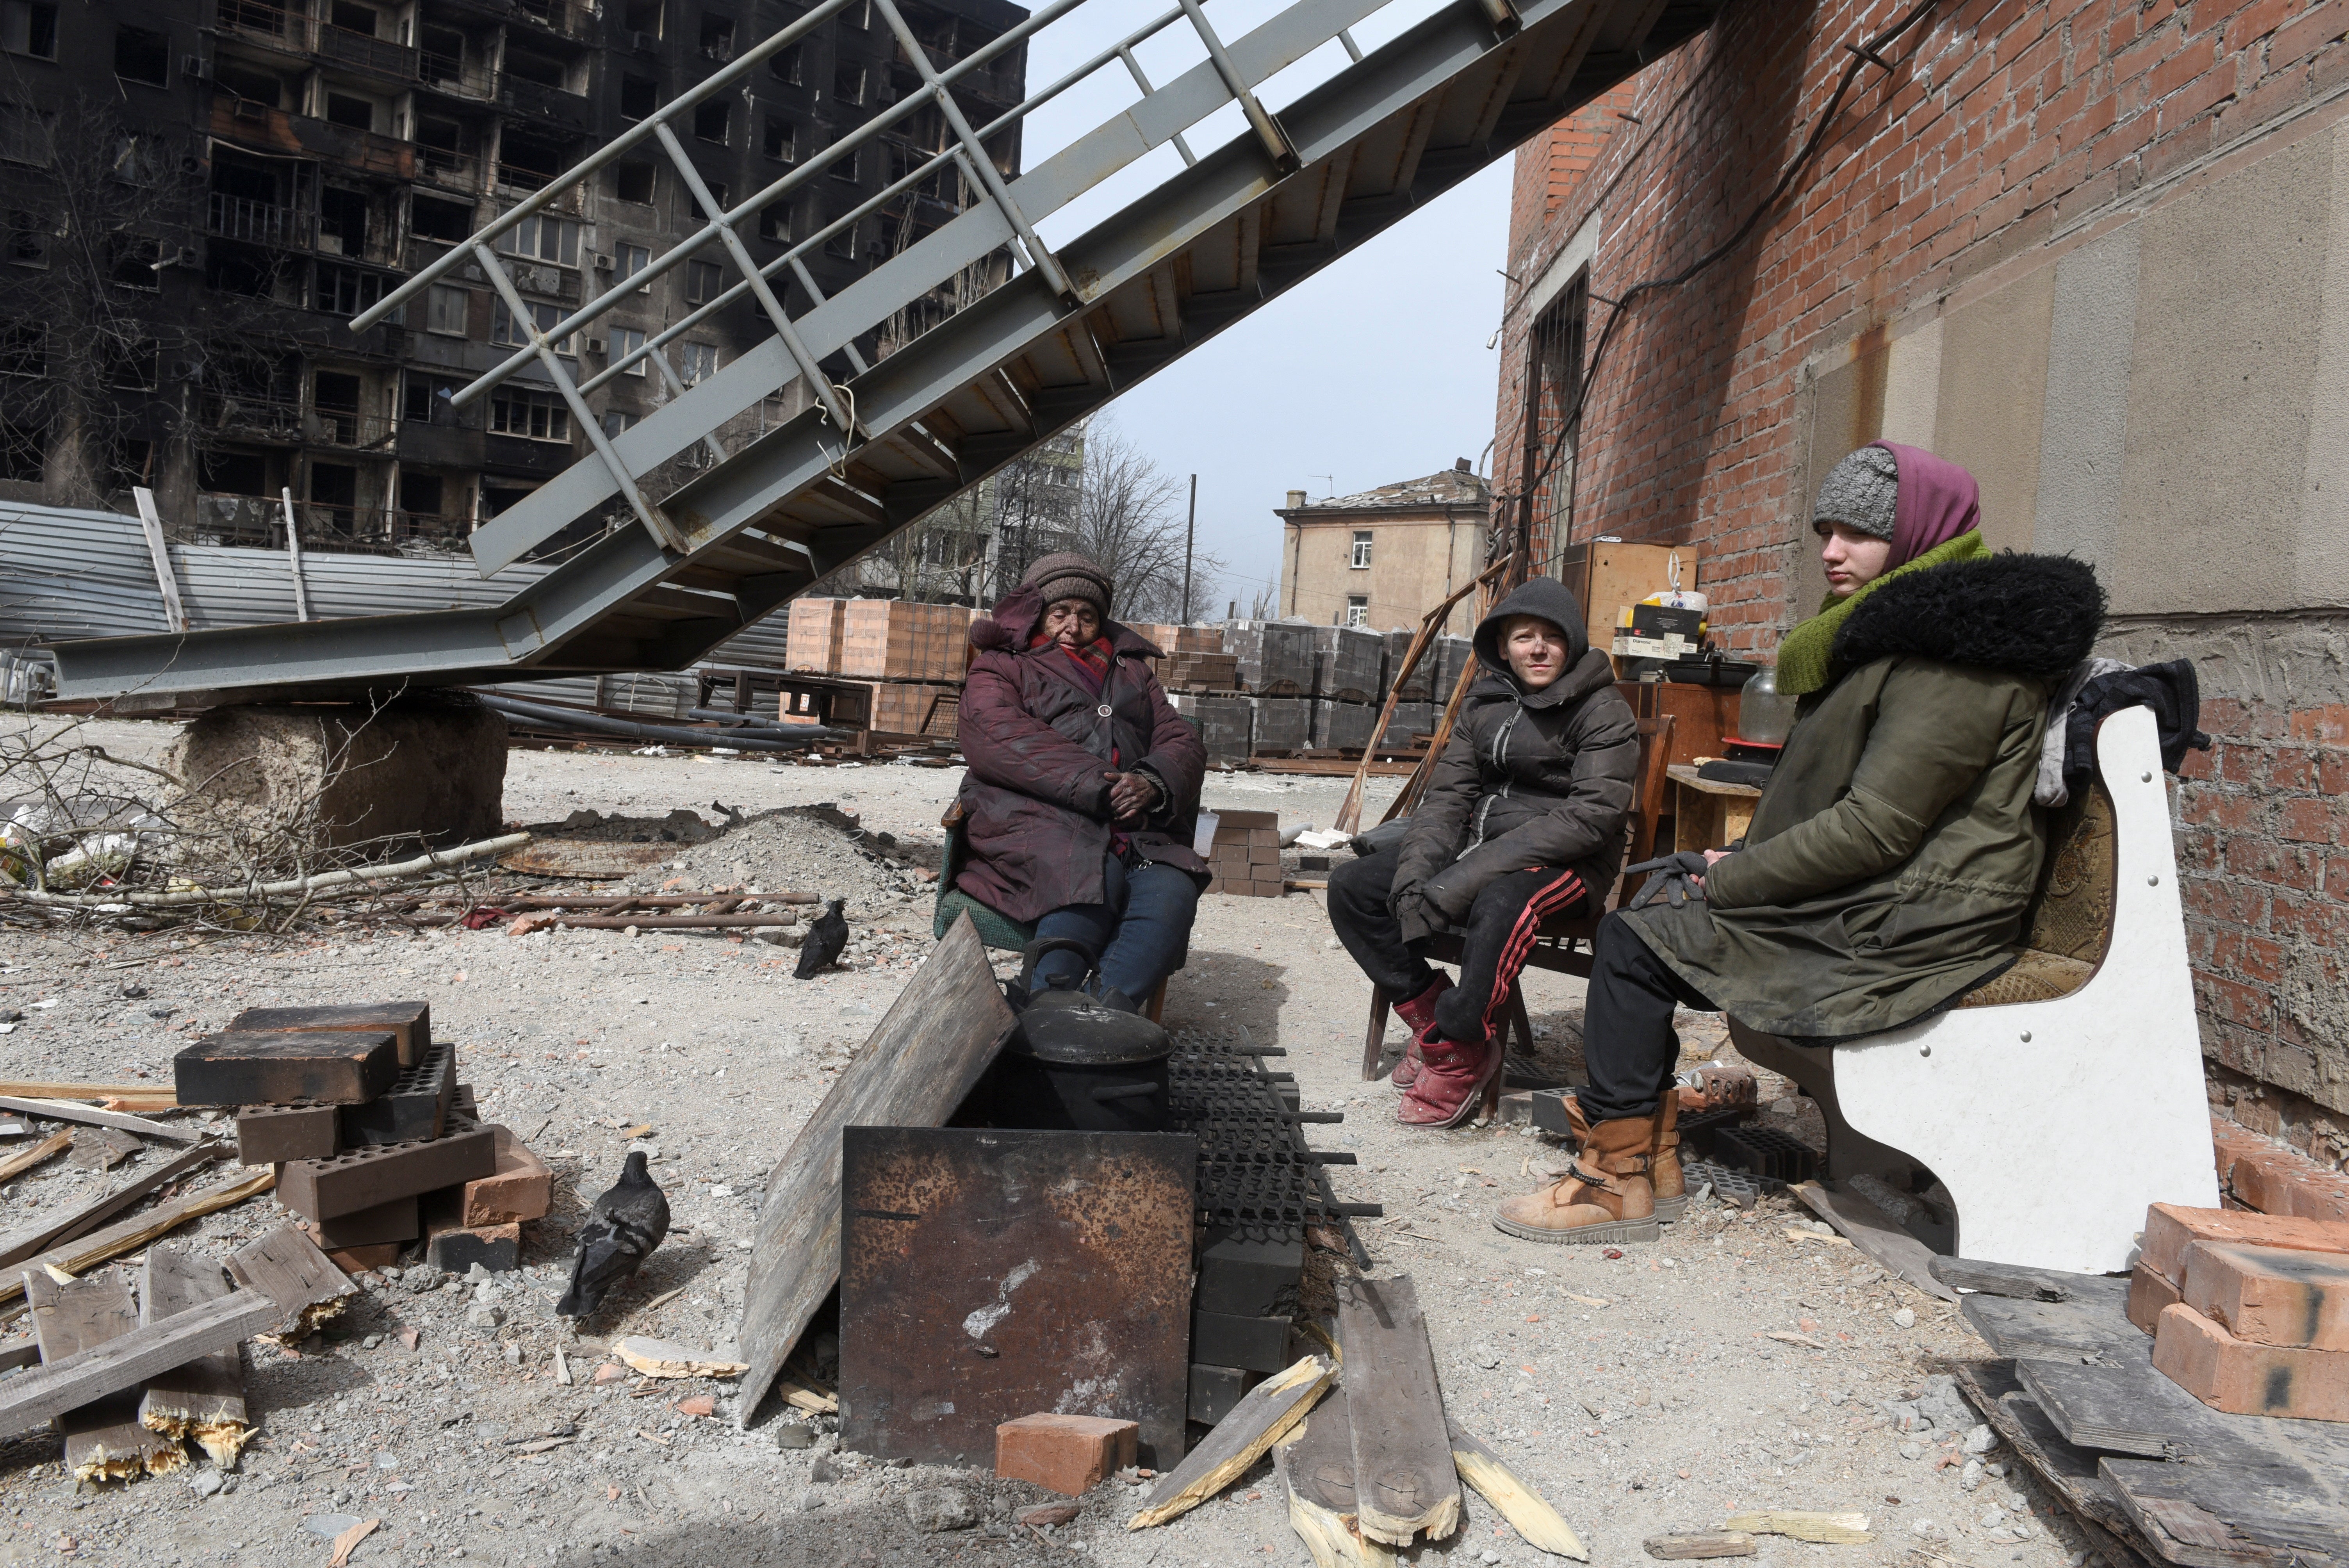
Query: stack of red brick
2248, 1313
376, 1144
1245, 859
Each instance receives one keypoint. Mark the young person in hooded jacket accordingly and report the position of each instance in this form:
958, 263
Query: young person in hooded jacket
1083, 787
1523, 821
1892, 854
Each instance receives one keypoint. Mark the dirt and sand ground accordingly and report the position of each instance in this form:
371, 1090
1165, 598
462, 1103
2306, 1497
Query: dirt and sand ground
1641, 1393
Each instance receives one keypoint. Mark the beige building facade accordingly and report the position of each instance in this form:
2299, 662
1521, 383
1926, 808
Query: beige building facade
1385, 557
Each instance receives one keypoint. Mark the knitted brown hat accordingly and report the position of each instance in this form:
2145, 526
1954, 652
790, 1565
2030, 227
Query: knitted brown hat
1065, 574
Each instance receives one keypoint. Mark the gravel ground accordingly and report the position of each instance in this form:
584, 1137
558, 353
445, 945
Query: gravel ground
1641, 1394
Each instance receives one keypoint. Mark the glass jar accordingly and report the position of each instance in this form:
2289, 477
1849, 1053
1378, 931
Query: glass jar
1763, 715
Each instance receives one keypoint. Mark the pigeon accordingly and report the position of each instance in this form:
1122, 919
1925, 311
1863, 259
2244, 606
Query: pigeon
826, 935
623, 1228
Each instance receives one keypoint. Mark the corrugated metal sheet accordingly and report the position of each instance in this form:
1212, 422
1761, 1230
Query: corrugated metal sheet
66, 574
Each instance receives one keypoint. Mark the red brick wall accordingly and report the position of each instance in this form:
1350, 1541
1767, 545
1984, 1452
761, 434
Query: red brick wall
1998, 124
1999, 120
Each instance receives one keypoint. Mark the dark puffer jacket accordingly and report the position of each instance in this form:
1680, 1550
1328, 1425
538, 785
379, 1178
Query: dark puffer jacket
1040, 742
1894, 851
1539, 778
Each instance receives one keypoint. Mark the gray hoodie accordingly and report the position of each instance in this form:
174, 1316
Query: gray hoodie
1538, 779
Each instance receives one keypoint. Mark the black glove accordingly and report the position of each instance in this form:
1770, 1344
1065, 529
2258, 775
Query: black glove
1678, 876
1417, 917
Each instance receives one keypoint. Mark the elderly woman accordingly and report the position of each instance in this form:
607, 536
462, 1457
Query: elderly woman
1892, 854
1084, 785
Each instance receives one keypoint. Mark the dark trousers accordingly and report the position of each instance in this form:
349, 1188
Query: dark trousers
1627, 1041
1135, 939
1501, 927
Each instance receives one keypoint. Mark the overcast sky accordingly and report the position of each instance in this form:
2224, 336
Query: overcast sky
1372, 371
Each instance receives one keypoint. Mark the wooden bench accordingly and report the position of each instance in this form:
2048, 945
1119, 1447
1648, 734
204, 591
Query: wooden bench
2061, 1099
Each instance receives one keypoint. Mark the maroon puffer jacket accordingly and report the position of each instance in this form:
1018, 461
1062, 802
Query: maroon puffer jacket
1039, 740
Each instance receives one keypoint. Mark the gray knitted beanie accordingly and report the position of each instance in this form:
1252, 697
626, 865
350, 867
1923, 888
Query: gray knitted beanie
1859, 492
1066, 574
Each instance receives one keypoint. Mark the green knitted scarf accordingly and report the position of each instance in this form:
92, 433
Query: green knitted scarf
1803, 656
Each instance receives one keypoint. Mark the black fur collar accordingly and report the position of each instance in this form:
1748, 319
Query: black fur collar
2034, 615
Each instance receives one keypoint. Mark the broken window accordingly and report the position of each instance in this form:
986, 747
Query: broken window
352, 18
23, 136
135, 262
615, 421
419, 493
131, 462
783, 65
717, 37
430, 219
848, 83
1358, 610
642, 16
782, 139
130, 367
632, 181
28, 238
425, 399
344, 109
234, 473
545, 317
29, 27
344, 291
639, 96
843, 167
775, 222
249, 85
533, 415
142, 55
710, 119
23, 348
342, 222
1361, 557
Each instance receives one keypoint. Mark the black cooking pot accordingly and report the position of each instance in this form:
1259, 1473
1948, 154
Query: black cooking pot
1074, 1063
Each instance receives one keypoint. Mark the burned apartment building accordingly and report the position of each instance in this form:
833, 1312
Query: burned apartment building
200, 194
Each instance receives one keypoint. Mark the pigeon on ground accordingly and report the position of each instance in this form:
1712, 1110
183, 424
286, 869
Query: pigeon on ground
827, 934
623, 1228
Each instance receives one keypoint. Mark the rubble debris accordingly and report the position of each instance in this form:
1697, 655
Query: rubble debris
1041, 1515
663, 1358
1397, 1415
1267, 1413
201, 1400
937, 1510
1066, 1454
38, 1394
624, 1226
409, 1023
347, 1541
459, 1248
102, 1148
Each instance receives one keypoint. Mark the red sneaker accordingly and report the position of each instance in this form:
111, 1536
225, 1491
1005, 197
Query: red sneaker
1418, 1014
1451, 1083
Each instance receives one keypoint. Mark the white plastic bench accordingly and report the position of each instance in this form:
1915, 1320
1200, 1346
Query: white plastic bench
2052, 1121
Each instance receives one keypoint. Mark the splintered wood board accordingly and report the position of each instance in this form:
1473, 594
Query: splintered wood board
39, 1393
202, 1399
1527, 1512
60, 1228
1404, 1478
286, 1267
1317, 1468
129, 1236
1266, 1414
104, 1441
914, 1071
66, 1110
2070, 1473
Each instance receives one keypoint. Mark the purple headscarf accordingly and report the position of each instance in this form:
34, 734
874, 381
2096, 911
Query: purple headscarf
1937, 501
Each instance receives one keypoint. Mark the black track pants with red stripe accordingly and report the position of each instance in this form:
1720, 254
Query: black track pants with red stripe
1500, 931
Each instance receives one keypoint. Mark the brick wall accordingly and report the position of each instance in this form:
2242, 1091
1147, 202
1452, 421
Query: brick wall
2000, 129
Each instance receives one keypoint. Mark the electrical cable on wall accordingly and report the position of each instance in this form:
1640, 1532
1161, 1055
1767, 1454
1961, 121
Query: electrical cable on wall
1862, 55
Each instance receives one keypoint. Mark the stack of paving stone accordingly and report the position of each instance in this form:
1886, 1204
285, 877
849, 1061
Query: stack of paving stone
378, 1146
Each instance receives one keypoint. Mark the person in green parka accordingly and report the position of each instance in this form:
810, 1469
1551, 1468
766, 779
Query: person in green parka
1893, 851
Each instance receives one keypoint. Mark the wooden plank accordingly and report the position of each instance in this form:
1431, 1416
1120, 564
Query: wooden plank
23, 1352
1317, 1466
24, 1160
1695, 1543
104, 1441
54, 1231
64, 1111
1527, 1512
203, 1400
1873, 1231
2019, 1327
1266, 1414
45, 1088
2023, 1283
287, 1266
42, 1393
1804, 1525
2111, 1409
2069, 1472
129, 1235
1404, 1478
2212, 1516
914, 1071
151, 524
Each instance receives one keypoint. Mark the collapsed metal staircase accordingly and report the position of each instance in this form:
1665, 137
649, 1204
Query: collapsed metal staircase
1075, 326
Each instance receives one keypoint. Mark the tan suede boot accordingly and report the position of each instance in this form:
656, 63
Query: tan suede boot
1665, 1173
1607, 1197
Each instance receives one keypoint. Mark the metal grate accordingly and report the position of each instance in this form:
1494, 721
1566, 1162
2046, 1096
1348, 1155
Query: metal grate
1257, 1179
